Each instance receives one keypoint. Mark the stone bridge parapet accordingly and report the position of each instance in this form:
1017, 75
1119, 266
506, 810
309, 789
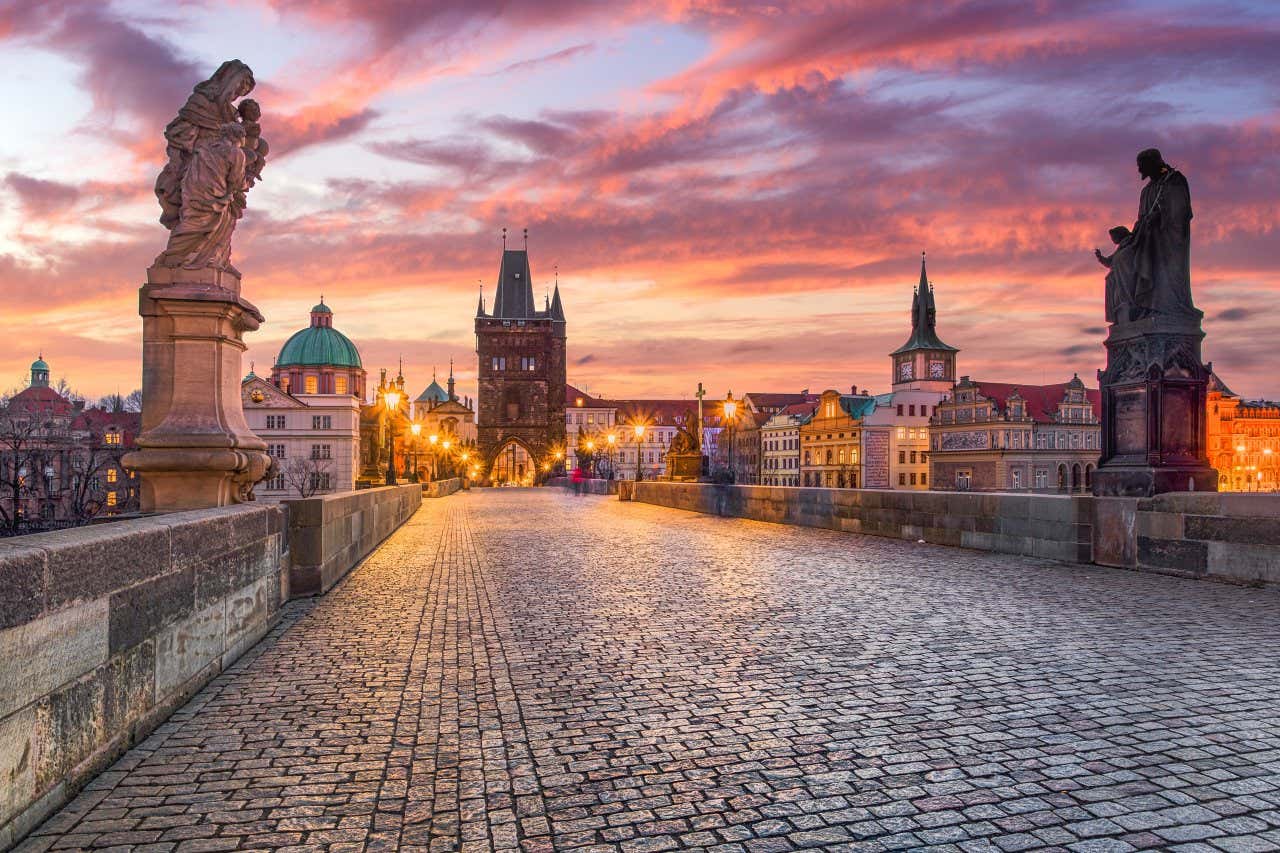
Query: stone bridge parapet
106, 630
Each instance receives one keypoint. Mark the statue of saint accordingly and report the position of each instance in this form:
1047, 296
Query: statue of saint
1151, 267
212, 200
686, 438
202, 187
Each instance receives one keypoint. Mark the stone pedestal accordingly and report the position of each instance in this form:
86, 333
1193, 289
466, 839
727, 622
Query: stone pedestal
195, 448
1153, 411
686, 466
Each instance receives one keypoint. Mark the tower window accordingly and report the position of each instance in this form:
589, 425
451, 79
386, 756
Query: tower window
339, 384
312, 384
499, 362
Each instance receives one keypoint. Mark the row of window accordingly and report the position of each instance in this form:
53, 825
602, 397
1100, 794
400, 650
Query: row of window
831, 479
311, 384
784, 444
772, 462
832, 459
317, 422
911, 409
904, 479
318, 451
526, 362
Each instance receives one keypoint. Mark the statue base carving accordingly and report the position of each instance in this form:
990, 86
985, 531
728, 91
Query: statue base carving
195, 449
1153, 411
686, 467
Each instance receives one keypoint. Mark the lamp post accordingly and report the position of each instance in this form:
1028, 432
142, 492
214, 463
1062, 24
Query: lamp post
730, 410
446, 444
612, 439
416, 429
433, 438
639, 430
560, 461
392, 400
591, 449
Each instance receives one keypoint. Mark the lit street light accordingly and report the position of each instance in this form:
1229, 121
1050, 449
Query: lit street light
392, 400
415, 429
639, 429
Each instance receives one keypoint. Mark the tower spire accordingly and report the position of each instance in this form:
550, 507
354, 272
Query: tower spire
504, 238
452, 394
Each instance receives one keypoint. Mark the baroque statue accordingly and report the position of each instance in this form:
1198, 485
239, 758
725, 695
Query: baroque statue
1150, 269
686, 438
216, 153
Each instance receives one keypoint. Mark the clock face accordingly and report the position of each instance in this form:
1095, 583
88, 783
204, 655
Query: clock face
937, 370
257, 396
904, 370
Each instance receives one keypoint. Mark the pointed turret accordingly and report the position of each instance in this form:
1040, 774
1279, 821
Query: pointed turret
480, 307
452, 394
557, 309
924, 317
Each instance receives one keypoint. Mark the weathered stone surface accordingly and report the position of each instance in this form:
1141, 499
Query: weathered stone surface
38, 657
141, 610
235, 569
18, 758
70, 725
184, 649
92, 561
128, 686
22, 596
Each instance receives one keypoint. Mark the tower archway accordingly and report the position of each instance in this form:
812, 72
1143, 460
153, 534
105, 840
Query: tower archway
513, 464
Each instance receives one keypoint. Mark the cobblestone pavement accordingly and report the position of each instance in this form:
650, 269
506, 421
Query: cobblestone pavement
523, 669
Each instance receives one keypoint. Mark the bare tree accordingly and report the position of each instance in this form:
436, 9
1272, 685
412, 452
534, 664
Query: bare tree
133, 402
307, 476
112, 403
18, 433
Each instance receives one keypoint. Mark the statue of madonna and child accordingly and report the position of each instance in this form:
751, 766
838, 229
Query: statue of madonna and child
216, 154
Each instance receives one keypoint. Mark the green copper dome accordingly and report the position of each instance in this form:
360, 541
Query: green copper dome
319, 344
39, 364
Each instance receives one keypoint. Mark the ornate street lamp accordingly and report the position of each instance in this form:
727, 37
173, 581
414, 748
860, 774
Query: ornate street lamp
730, 409
416, 429
433, 439
392, 400
612, 439
639, 430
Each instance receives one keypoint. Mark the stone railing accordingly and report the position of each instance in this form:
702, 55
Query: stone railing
441, 488
1231, 536
1057, 527
105, 630
330, 534
1228, 537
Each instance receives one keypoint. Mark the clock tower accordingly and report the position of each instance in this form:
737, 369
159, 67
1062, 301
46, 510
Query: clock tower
923, 363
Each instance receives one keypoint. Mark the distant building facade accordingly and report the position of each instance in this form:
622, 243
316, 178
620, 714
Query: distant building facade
1243, 440
60, 461
780, 445
520, 416
309, 412
997, 436
895, 434
831, 441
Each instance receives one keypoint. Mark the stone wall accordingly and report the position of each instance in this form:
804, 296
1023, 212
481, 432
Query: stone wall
1227, 536
105, 630
330, 534
1056, 527
441, 488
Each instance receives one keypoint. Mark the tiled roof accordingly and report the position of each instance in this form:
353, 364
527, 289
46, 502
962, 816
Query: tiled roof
1042, 400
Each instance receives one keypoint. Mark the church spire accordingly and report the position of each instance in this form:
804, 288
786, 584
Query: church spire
480, 307
924, 318
452, 394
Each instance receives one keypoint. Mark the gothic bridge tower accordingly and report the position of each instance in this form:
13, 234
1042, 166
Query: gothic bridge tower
522, 376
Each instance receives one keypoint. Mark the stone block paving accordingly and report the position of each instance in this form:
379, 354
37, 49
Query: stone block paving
526, 670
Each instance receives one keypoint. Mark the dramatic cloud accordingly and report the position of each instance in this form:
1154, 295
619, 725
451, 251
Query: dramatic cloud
730, 191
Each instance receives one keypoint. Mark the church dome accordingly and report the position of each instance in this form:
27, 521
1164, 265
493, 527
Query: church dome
433, 394
319, 344
39, 364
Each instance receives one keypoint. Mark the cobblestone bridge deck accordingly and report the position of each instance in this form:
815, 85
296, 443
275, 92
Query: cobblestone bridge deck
523, 669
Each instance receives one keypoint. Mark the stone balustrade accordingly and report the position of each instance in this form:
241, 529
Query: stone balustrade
441, 488
105, 630
1228, 537
330, 534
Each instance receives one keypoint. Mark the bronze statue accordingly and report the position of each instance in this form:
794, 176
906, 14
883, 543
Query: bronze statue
686, 439
1151, 267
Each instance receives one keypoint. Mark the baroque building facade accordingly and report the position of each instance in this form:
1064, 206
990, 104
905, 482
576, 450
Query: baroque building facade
780, 445
1243, 440
520, 415
309, 412
997, 437
831, 441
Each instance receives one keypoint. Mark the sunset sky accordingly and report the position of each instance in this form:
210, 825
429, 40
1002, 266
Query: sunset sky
734, 193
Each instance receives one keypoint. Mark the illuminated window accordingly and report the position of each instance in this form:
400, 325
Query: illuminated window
902, 432
311, 384
112, 438
339, 384
111, 498
112, 474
